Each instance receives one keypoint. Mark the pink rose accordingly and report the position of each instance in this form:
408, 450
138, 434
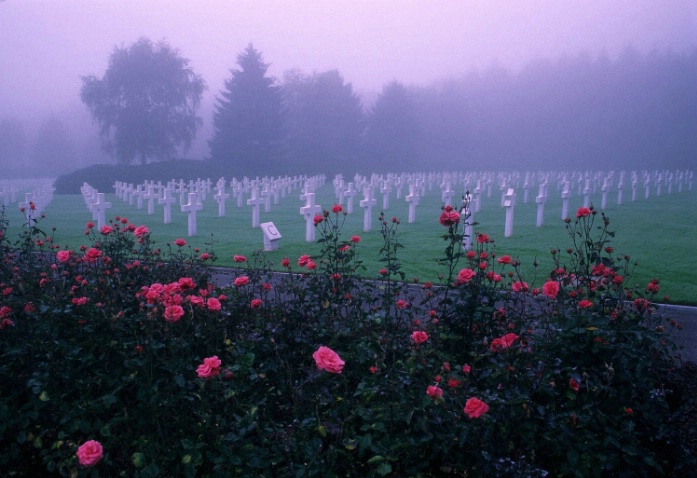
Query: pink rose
503, 343
213, 304
402, 304
209, 368
475, 408
551, 289
337, 208
449, 217
241, 281
318, 218
327, 359
505, 259
355, 239
256, 303
311, 265
434, 392
140, 231
584, 304
419, 336
106, 230
465, 275
583, 212
239, 258
92, 254
180, 242
63, 256
173, 313
186, 283
520, 286
89, 453
304, 260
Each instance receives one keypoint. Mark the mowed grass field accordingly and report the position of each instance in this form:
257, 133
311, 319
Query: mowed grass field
660, 233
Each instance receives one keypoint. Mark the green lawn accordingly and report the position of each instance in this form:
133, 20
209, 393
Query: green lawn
660, 233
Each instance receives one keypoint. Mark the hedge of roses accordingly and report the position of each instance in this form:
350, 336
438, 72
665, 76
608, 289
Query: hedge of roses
123, 358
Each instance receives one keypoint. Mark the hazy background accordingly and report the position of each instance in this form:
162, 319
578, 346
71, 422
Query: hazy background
492, 54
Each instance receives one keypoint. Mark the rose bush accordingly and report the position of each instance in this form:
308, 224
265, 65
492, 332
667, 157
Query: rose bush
106, 365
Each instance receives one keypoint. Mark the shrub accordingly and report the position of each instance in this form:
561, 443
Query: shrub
124, 358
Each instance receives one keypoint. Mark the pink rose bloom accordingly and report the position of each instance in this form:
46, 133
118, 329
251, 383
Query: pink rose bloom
241, 281
89, 453
238, 258
140, 231
304, 260
106, 230
503, 343
465, 275
434, 392
209, 368
551, 289
311, 265
584, 304
92, 254
419, 336
285, 262
180, 242
505, 259
63, 256
449, 217
256, 303
583, 212
402, 304
196, 300
475, 408
337, 208
355, 239
186, 283
318, 218
466, 368
520, 286
213, 304
173, 313
327, 359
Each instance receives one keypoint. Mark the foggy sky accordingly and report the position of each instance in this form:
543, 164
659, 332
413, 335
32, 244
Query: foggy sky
46, 45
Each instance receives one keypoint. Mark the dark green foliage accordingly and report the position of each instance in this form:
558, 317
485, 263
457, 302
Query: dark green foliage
146, 102
249, 119
577, 382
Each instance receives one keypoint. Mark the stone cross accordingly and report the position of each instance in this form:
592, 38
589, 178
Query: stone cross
509, 204
349, 194
309, 210
138, 193
620, 187
447, 194
367, 204
603, 197
541, 199
150, 195
191, 208
220, 196
385, 190
167, 200
413, 199
526, 187
255, 201
587, 193
634, 188
565, 195
28, 199
99, 207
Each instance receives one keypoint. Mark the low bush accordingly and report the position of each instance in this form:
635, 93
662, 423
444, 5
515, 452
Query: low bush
125, 358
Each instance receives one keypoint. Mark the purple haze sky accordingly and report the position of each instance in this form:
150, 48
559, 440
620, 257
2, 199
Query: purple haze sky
46, 45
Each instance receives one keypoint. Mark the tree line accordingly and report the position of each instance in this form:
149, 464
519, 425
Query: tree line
636, 111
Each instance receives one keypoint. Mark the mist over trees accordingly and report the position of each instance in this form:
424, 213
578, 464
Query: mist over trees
249, 119
325, 123
634, 111
146, 102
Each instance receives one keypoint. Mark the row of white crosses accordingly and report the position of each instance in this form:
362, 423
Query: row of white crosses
96, 204
38, 192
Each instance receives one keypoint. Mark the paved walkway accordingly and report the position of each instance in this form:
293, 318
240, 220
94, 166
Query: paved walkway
687, 316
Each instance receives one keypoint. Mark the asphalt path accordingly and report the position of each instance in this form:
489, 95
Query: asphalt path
683, 315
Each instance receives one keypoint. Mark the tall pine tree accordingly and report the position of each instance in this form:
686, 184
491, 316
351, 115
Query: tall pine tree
248, 119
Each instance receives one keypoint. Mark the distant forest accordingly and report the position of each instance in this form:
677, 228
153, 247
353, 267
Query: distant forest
583, 112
